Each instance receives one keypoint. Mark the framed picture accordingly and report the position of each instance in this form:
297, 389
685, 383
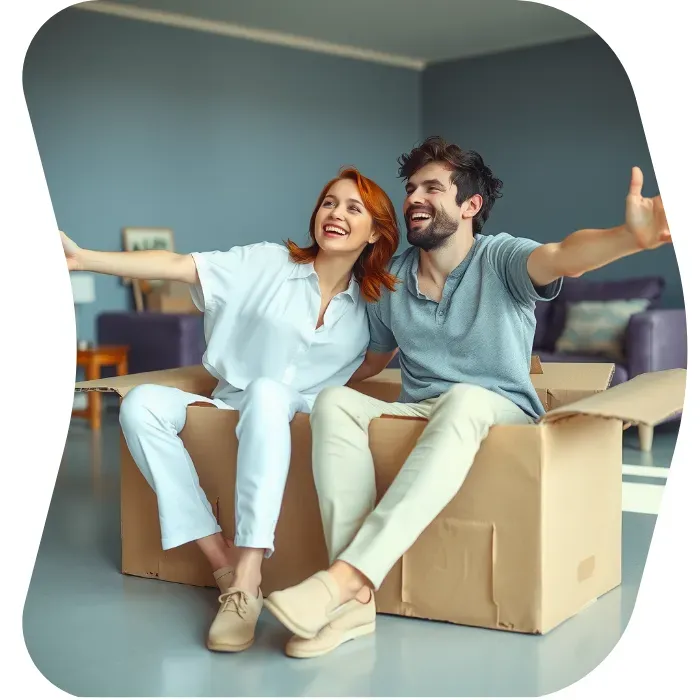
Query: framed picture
136, 238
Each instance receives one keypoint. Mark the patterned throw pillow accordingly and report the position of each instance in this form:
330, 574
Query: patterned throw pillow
598, 327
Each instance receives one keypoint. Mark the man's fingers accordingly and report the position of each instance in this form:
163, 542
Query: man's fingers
636, 182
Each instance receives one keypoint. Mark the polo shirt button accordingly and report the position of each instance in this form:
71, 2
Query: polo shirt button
441, 313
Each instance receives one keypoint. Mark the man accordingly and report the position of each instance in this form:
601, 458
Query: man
463, 318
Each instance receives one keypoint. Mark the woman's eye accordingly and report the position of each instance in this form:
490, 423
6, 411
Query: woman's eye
355, 209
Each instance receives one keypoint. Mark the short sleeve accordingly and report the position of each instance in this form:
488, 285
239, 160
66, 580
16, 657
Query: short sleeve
223, 273
509, 255
381, 339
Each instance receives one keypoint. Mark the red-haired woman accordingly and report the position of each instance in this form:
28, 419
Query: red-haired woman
281, 323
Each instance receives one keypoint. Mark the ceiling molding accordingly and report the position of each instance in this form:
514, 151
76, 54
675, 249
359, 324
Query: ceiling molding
241, 32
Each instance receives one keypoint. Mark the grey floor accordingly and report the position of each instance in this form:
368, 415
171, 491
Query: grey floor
94, 632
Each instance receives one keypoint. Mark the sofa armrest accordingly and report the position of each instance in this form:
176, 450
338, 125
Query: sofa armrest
656, 340
156, 341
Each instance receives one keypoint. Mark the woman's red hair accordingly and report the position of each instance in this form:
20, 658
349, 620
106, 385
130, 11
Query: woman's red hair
370, 268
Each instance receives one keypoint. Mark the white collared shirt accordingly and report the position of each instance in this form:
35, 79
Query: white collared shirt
260, 314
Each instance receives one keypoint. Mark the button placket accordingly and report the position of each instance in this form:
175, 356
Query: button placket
444, 301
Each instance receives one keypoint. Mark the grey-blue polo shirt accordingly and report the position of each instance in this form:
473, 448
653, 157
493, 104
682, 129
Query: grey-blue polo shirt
481, 332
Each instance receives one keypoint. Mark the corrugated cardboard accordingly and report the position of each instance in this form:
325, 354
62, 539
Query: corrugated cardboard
533, 536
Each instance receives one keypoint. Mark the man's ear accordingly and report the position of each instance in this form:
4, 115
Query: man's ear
472, 206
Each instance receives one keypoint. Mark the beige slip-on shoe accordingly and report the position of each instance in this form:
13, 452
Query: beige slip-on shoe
358, 620
233, 628
305, 609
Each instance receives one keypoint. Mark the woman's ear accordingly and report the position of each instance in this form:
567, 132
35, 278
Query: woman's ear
373, 236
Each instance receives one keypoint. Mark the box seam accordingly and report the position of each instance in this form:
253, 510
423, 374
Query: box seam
539, 617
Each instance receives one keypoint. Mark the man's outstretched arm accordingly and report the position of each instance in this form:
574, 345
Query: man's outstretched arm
645, 228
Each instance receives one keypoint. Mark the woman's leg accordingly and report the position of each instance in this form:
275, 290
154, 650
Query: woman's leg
264, 450
151, 418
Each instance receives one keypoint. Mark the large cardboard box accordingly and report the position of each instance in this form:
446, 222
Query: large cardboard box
532, 537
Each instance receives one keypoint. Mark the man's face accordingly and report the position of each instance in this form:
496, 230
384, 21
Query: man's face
430, 209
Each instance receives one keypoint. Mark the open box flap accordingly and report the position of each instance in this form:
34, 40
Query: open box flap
647, 399
394, 375
194, 379
197, 380
574, 376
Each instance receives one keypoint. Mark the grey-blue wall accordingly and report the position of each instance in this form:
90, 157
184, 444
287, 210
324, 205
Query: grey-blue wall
228, 141
225, 141
559, 124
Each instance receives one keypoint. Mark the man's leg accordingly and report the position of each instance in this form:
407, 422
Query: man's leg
430, 478
342, 463
345, 480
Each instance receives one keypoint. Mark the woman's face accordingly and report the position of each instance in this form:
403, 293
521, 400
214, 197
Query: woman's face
343, 224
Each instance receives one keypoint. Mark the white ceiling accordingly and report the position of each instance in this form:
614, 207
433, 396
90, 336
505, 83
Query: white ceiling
421, 31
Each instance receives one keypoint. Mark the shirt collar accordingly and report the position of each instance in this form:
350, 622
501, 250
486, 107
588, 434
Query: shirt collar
457, 272
353, 289
302, 270
306, 270
413, 275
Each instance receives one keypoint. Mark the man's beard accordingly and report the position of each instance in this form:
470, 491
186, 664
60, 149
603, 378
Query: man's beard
440, 229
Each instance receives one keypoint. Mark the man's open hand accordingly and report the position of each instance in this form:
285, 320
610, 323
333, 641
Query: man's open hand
645, 218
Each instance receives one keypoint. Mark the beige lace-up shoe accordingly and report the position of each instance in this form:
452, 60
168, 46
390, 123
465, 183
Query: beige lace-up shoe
233, 628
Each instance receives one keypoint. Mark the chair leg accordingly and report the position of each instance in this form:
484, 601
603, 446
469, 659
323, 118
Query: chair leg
646, 437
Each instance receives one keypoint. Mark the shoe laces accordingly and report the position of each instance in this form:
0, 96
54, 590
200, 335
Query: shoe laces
235, 600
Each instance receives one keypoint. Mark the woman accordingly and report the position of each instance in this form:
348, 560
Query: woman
281, 323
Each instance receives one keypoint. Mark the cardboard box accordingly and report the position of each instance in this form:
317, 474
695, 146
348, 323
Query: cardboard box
532, 538
171, 298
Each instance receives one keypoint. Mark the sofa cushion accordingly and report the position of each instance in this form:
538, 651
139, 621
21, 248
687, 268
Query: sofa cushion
583, 289
598, 327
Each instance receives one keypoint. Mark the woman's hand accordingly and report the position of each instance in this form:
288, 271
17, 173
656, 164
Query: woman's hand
72, 252
140, 264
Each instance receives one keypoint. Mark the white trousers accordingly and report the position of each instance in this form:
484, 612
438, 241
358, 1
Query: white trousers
152, 418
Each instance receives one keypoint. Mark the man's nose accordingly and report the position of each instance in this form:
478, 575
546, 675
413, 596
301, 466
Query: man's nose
415, 200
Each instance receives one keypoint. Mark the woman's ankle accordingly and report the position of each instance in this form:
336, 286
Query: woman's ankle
217, 550
247, 571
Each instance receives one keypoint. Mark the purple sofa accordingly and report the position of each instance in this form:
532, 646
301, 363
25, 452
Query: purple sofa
655, 339
156, 340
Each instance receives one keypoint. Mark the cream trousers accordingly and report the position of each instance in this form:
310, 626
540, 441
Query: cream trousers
373, 537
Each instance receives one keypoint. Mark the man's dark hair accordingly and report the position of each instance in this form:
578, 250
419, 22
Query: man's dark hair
469, 172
